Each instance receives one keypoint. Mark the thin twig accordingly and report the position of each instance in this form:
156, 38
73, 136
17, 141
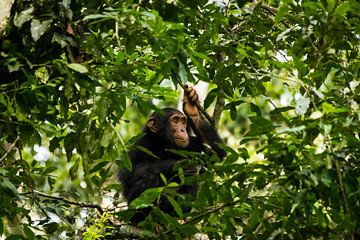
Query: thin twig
341, 182
219, 106
10, 148
83, 205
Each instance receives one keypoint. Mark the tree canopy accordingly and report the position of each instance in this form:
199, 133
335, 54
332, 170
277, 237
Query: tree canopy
78, 79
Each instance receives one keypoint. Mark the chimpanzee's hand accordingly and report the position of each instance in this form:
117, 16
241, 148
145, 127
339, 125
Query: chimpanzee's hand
190, 99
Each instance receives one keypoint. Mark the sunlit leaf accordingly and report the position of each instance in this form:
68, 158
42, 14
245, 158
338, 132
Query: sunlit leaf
101, 108
302, 105
163, 178
147, 198
23, 17
95, 16
78, 67
342, 9
39, 28
283, 10
74, 169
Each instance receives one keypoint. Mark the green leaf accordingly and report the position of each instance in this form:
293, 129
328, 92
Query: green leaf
74, 169
233, 112
280, 110
163, 178
54, 144
145, 150
47, 128
260, 125
78, 67
107, 137
147, 198
9, 185
51, 227
42, 74
101, 108
189, 230
342, 9
49, 170
330, 5
283, 10
65, 8
176, 206
300, 65
23, 17
231, 158
292, 130
173, 185
210, 98
224, 194
39, 28
3, 171
260, 181
126, 160
14, 66
183, 74
60, 39
98, 167
29, 233
255, 109
95, 16
35, 138
69, 143
181, 175
328, 108
302, 105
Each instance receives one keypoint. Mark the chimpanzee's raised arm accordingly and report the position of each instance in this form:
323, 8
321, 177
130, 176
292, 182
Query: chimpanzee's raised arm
200, 125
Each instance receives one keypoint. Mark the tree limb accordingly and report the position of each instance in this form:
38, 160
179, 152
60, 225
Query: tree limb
10, 148
83, 205
220, 102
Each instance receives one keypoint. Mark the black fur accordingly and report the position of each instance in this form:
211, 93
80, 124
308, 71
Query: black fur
146, 168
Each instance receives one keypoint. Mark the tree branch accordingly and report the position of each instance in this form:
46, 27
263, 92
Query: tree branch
10, 148
83, 205
219, 106
131, 232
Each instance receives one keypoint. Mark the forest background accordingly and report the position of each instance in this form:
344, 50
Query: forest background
78, 79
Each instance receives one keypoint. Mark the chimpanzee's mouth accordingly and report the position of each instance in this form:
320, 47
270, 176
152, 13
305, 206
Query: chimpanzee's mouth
182, 142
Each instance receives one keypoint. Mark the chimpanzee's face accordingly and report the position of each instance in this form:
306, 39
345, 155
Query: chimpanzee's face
177, 128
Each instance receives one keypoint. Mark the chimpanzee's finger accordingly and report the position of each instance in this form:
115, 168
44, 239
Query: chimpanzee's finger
193, 96
188, 90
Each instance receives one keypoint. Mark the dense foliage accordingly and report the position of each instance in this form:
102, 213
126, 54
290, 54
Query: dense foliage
76, 75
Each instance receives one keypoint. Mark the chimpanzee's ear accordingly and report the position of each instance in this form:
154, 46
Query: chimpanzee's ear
152, 124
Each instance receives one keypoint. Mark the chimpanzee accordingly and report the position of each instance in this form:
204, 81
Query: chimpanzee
164, 130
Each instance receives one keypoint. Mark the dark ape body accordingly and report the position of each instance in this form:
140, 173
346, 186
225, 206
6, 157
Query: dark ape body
146, 168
